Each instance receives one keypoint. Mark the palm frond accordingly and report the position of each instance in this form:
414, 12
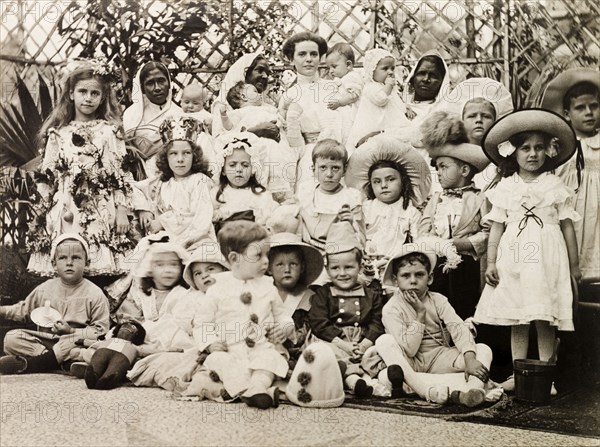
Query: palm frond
19, 126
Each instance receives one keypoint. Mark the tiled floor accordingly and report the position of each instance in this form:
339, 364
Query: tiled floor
59, 410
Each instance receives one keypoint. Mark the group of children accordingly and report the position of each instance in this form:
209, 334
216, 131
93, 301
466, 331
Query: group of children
373, 266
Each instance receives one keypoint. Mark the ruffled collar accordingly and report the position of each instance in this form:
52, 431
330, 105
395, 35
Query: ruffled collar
593, 142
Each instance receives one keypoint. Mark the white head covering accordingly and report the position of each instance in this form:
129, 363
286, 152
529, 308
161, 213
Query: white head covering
372, 58
253, 145
155, 244
69, 236
134, 114
208, 251
236, 73
408, 93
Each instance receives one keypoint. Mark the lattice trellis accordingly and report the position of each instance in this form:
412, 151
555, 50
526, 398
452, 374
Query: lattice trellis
518, 42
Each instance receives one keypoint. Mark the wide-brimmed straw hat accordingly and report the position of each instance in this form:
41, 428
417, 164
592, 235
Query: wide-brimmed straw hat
531, 120
208, 251
386, 147
406, 249
313, 260
559, 86
467, 152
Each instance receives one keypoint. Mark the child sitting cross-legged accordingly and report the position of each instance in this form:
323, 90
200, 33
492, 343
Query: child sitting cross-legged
421, 327
345, 313
241, 319
79, 307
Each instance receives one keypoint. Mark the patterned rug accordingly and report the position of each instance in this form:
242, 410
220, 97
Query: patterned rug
575, 411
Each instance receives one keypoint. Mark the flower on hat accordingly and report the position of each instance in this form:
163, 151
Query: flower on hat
506, 148
552, 149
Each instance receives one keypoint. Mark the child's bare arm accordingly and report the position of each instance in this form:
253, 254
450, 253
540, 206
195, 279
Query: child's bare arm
225, 120
491, 273
566, 226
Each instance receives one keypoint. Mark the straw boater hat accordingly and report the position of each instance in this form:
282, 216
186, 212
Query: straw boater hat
559, 86
316, 380
386, 147
406, 249
467, 152
529, 120
208, 251
313, 260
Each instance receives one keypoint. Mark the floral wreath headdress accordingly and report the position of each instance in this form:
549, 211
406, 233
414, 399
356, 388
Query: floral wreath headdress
179, 129
100, 66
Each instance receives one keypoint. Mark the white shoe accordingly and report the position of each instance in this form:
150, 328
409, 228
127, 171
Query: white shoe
509, 384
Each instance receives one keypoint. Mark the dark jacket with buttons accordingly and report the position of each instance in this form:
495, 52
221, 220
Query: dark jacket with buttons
332, 308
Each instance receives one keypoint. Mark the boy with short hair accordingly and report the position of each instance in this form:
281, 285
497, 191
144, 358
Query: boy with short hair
456, 214
575, 94
82, 306
425, 335
240, 319
343, 312
330, 201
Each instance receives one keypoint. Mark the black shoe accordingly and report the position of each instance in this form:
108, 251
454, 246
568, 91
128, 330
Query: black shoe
396, 378
260, 400
42, 363
362, 390
12, 364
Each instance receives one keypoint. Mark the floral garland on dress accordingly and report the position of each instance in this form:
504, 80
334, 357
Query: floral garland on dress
89, 184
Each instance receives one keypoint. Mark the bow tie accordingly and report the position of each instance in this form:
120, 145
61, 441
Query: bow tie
458, 192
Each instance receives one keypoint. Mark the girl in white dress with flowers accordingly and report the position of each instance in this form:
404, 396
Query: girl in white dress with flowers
82, 187
532, 250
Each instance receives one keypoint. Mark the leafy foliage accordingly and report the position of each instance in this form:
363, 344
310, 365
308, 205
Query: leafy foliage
19, 126
131, 32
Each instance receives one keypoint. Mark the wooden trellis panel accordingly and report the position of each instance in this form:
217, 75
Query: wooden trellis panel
519, 42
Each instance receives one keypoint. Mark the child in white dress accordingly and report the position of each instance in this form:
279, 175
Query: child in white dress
340, 61
532, 250
242, 181
380, 107
169, 370
575, 95
179, 200
193, 97
396, 180
82, 185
